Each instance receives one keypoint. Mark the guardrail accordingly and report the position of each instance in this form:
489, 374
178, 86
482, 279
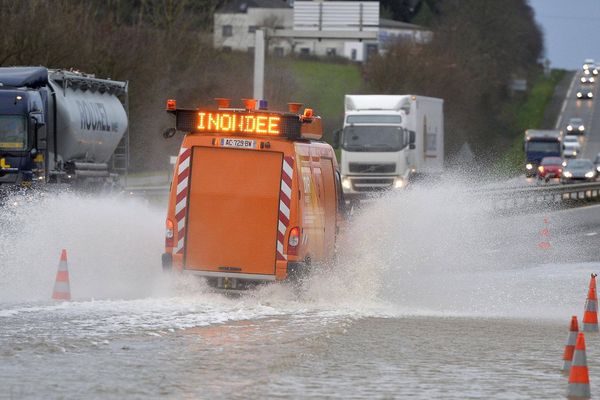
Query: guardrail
147, 190
571, 194
506, 197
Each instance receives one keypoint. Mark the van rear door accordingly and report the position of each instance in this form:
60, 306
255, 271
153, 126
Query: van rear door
233, 210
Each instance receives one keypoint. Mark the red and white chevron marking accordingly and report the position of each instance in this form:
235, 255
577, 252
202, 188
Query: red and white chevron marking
183, 174
285, 199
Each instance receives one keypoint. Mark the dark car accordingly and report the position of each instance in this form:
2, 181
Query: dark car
575, 127
550, 167
579, 169
585, 93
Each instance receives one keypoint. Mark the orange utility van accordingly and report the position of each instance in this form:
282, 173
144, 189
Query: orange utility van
255, 195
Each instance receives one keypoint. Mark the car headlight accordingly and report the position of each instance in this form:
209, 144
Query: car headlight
528, 166
567, 174
582, 79
399, 183
569, 128
346, 184
541, 168
581, 128
585, 66
578, 94
589, 174
598, 168
595, 72
592, 80
590, 94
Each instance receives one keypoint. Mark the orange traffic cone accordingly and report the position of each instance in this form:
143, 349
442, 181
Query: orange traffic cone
62, 289
590, 314
579, 379
544, 243
570, 347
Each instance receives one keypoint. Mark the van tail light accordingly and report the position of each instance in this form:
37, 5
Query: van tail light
169, 233
293, 241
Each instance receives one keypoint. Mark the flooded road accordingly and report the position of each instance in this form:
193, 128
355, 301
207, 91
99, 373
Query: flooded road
433, 297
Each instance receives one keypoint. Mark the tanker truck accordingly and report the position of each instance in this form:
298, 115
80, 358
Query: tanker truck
61, 126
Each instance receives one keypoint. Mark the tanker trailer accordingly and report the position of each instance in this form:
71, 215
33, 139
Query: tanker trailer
61, 127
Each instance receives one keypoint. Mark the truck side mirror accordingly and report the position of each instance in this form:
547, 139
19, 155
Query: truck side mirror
411, 140
336, 138
39, 133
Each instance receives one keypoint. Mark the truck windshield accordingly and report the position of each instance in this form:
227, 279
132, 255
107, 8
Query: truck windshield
13, 132
374, 119
543, 147
373, 138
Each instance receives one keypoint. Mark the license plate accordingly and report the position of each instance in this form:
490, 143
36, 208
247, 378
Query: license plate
243, 143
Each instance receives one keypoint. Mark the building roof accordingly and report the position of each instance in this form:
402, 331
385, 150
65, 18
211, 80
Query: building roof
242, 6
390, 23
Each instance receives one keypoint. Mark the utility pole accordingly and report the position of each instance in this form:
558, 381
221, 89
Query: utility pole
259, 64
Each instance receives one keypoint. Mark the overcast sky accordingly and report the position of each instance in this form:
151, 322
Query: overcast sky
571, 30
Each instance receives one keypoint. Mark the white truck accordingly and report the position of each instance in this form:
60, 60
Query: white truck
388, 138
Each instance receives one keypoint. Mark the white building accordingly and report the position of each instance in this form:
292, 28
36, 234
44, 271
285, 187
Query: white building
349, 29
237, 20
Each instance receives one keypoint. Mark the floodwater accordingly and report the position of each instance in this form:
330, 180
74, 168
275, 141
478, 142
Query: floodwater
434, 296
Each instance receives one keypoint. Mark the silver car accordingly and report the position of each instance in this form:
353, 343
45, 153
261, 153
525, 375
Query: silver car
580, 169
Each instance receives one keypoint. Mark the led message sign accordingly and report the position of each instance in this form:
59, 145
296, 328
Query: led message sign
237, 122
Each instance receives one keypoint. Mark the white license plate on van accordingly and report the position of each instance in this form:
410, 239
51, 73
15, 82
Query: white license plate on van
243, 143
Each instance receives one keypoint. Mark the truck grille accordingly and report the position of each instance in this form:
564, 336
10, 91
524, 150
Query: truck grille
365, 168
372, 185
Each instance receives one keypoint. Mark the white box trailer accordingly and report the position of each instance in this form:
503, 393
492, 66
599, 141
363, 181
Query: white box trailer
425, 117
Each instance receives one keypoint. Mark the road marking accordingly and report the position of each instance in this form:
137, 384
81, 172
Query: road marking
591, 234
564, 105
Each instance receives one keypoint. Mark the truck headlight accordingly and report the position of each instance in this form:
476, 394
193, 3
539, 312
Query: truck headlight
529, 167
581, 128
346, 184
589, 174
399, 183
569, 128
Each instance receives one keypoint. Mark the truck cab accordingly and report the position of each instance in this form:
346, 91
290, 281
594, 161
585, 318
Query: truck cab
540, 144
375, 145
255, 197
22, 134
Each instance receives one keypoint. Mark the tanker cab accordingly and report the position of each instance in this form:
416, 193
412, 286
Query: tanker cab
236, 208
22, 134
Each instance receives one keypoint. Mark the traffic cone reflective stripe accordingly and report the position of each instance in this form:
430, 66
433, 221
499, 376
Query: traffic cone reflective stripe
570, 346
579, 380
590, 316
62, 289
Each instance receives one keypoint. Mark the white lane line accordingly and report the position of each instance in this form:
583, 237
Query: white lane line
591, 234
564, 105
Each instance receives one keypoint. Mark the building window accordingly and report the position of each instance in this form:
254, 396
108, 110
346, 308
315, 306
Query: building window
252, 29
226, 49
278, 51
353, 54
304, 51
227, 30
331, 52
